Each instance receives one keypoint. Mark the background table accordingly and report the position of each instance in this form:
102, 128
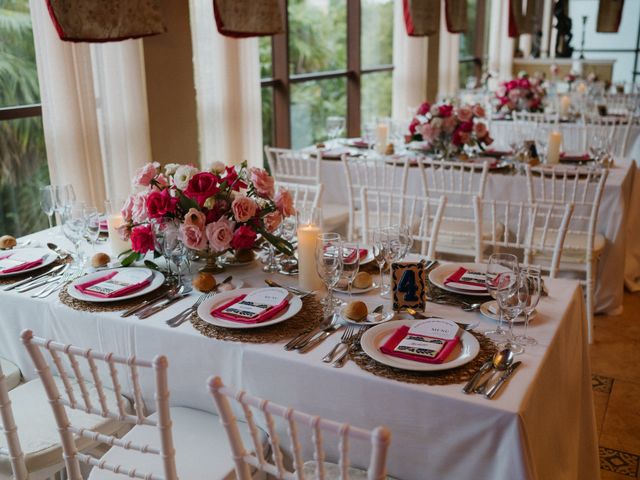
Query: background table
542, 425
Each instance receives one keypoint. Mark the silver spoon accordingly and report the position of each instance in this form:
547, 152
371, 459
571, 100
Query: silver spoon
501, 361
61, 252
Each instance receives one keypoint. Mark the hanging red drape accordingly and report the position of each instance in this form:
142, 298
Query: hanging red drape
456, 15
421, 17
609, 16
248, 18
521, 21
105, 21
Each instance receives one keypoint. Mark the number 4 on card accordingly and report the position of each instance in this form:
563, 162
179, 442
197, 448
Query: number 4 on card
408, 285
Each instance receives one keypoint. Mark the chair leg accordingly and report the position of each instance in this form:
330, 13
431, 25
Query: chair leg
590, 294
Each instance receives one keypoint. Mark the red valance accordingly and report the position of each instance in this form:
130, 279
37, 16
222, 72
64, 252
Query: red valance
421, 17
248, 18
456, 15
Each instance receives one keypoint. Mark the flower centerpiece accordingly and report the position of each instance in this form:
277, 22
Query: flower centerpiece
449, 130
215, 211
521, 94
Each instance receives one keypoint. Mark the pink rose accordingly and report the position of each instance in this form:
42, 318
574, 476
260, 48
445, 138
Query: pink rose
429, 132
413, 125
480, 129
193, 237
220, 234
243, 237
263, 182
466, 126
145, 174
424, 108
161, 181
456, 139
160, 203
478, 111
465, 114
272, 221
142, 239
202, 186
134, 208
243, 208
196, 218
124, 232
449, 124
514, 95
445, 110
284, 202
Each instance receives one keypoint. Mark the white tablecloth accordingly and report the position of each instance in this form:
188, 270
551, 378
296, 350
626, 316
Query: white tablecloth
541, 427
618, 212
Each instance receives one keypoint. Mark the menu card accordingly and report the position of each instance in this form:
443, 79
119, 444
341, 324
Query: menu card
467, 280
430, 341
255, 307
117, 283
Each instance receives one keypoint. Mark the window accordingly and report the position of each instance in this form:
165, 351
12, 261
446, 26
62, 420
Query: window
326, 64
23, 164
474, 43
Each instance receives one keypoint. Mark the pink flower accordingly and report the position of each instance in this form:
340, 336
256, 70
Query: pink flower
429, 132
465, 114
124, 232
196, 218
145, 174
243, 208
220, 234
284, 202
524, 83
424, 108
160, 203
514, 95
466, 127
412, 126
487, 140
449, 124
142, 239
272, 221
202, 186
162, 181
243, 237
456, 138
465, 137
263, 182
134, 208
193, 236
232, 179
480, 129
478, 111
501, 91
445, 110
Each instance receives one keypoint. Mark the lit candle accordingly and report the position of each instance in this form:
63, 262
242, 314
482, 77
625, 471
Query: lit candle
553, 148
308, 278
117, 244
565, 103
581, 88
382, 132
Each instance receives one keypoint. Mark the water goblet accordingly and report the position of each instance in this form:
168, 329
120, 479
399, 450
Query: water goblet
350, 263
379, 246
335, 127
499, 264
329, 263
531, 292
74, 228
92, 219
511, 297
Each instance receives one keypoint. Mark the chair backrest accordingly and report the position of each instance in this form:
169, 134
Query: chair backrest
58, 352
294, 166
379, 438
454, 179
422, 214
535, 118
531, 227
13, 449
383, 174
303, 195
616, 128
574, 138
582, 187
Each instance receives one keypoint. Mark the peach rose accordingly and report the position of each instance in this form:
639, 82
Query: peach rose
272, 221
243, 208
465, 114
449, 124
193, 237
263, 182
284, 202
478, 111
196, 218
219, 234
145, 174
480, 129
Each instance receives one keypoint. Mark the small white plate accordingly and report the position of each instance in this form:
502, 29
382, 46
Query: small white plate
486, 308
368, 258
230, 261
466, 350
438, 275
50, 257
156, 282
236, 284
371, 318
356, 291
204, 310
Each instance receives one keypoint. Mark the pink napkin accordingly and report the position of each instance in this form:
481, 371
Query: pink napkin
388, 348
455, 280
352, 256
334, 153
263, 317
82, 287
574, 158
490, 152
21, 267
359, 144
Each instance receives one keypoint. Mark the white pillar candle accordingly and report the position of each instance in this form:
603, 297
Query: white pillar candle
117, 244
382, 132
565, 103
308, 278
581, 88
553, 148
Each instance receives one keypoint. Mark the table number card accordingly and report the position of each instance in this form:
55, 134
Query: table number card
408, 285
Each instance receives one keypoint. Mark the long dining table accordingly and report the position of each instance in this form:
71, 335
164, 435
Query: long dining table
541, 426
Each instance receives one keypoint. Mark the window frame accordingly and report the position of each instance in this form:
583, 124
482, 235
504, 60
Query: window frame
20, 111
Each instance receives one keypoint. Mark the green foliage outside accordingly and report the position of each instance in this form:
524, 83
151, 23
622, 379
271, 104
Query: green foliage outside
23, 164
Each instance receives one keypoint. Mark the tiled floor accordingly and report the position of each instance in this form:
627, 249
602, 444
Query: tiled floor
615, 363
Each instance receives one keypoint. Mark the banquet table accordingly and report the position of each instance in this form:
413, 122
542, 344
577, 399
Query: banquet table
619, 209
541, 426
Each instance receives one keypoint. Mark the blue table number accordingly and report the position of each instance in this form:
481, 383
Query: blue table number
408, 285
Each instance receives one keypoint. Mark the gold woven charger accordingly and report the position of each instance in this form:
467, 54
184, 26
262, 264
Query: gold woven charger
114, 306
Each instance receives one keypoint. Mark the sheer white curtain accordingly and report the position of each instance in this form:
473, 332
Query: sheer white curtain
94, 111
500, 45
227, 78
448, 60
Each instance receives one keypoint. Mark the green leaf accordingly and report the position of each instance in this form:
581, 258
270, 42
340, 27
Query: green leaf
133, 256
186, 203
279, 243
151, 265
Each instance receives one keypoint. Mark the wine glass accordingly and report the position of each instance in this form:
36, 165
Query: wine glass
288, 231
173, 248
335, 127
379, 245
531, 292
406, 239
48, 203
350, 263
160, 226
511, 297
92, 219
542, 140
74, 228
498, 265
329, 264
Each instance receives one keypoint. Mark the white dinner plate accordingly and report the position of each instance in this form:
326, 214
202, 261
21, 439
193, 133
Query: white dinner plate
438, 275
356, 291
204, 310
486, 310
50, 257
368, 258
156, 282
465, 351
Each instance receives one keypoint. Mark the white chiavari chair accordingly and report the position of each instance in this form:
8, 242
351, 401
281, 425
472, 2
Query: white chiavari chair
421, 213
379, 174
574, 138
303, 195
616, 128
582, 187
12, 373
459, 182
536, 232
341, 434
147, 451
534, 118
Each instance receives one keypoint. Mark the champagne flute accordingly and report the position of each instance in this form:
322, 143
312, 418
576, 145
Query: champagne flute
511, 297
335, 126
74, 228
61, 197
92, 219
47, 203
350, 263
531, 293
394, 252
380, 245
329, 264
406, 239
499, 264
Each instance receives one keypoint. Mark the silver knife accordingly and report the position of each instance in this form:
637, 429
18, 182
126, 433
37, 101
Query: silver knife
43, 281
318, 339
471, 384
31, 279
494, 389
158, 308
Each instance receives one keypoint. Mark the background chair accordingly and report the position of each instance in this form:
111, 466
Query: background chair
12, 373
344, 433
303, 195
616, 130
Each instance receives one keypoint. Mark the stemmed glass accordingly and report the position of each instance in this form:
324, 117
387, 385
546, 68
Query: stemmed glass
329, 263
531, 291
394, 252
350, 263
74, 228
92, 219
335, 126
542, 140
511, 297
64, 196
406, 240
48, 203
288, 232
174, 249
380, 245
499, 264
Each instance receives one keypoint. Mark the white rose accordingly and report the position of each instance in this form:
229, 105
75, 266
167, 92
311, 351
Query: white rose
170, 168
183, 175
217, 167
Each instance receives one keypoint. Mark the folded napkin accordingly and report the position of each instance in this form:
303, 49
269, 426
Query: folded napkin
236, 310
422, 342
351, 256
15, 262
490, 152
572, 157
103, 225
335, 153
115, 284
359, 144
464, 279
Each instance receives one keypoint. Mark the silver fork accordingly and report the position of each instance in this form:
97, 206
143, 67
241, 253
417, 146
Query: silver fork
49, 288
183, 316
355, 338
346, 335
